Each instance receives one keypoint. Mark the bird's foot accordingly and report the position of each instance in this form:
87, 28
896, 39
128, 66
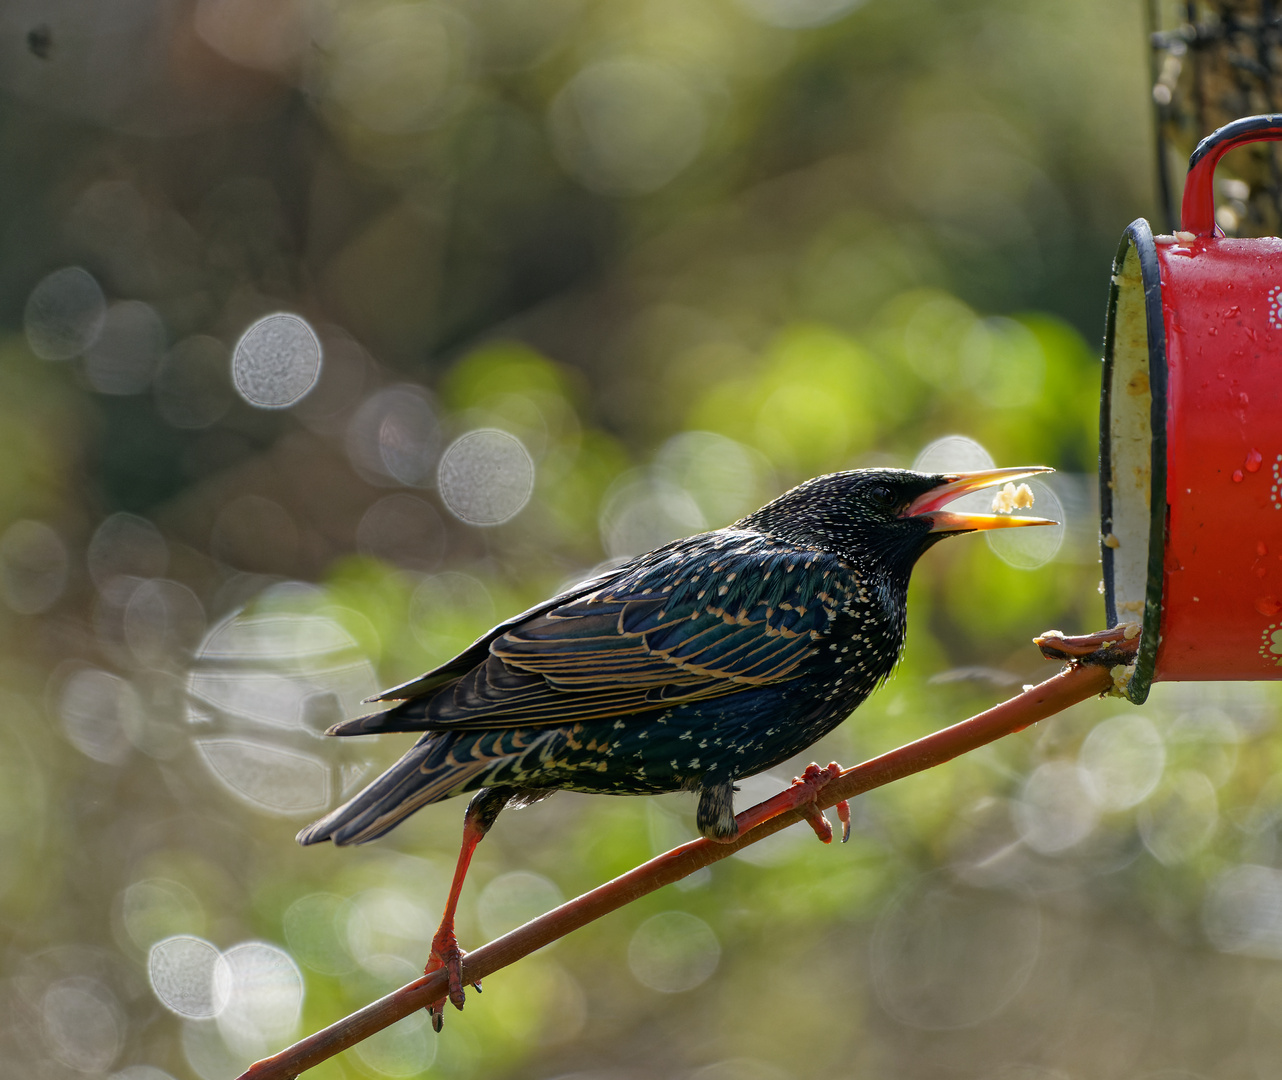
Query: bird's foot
806, 788
801, 795
446, 954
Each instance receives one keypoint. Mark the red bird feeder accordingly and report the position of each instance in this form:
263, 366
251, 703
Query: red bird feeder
1191, 440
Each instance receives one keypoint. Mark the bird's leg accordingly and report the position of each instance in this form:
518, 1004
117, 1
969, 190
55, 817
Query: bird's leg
801, 795
715, 814
480, 816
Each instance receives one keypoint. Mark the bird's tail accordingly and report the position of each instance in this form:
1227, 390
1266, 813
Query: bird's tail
427, 774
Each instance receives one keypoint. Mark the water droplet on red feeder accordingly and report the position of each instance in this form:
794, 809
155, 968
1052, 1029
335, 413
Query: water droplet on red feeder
1237, 476
1261, 548
1244, 399
1253, 461
1260, 571
1268, 605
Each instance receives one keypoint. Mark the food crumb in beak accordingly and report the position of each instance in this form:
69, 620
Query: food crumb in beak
1011, 498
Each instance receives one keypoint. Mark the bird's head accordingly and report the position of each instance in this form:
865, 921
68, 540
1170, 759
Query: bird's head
888, 516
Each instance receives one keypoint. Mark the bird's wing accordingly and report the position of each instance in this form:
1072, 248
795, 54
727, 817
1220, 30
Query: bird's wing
674, 629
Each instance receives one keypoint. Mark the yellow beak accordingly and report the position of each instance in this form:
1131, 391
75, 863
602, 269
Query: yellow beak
956, 485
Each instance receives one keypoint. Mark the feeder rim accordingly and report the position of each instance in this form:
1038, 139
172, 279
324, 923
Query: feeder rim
1138, 235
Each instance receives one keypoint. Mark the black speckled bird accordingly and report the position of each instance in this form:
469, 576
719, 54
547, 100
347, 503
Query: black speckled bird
707, 660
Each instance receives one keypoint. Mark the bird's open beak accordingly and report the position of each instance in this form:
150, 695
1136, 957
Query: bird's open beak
956, 485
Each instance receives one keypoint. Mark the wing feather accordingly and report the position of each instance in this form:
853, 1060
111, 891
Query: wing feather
646, 638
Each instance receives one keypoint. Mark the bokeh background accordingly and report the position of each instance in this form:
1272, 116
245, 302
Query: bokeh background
332, 331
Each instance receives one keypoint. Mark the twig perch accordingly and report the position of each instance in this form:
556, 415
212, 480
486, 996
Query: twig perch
1087, 675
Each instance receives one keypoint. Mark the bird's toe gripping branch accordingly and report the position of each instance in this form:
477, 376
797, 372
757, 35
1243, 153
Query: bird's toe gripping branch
447, 954
801, 795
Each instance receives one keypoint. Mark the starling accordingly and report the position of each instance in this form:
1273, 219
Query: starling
704, 661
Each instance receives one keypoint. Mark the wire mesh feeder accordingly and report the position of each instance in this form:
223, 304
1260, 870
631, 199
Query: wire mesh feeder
1213, 62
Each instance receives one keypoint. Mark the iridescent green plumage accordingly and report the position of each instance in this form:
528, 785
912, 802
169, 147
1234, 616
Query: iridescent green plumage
705, 661
710, 659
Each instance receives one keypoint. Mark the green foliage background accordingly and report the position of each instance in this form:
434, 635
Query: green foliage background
796, 248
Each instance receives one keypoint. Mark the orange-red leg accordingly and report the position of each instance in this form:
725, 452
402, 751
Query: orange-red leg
481, 812
801, 795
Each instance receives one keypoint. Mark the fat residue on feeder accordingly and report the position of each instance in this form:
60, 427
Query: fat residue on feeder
1185, 503
1011, 498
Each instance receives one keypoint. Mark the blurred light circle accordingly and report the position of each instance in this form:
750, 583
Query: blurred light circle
125, 545
1034, 546
486, 477
315, 927
404, 530
162, 620
82, 1024
511, 900
158, 908
1122, 761
98, 710
1212, 735
723, 477
954, 453
642, 510
776, 849
673, 952
626, 126
404, 1049
261, 691
33, 567
1243, 911
401, 68
267, 37
258, 996
385, 972
740, 1068
208, 1057
191, 388
141, 1072
1178, 820
272, 779
445, 604
386, 922
932, 337
1023, 548
1054, 810
276, 361
64, 314
343, 375
799, 14
181, 972
946, 957
394, 435
127, 353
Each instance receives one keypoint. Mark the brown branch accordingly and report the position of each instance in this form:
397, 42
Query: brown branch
1086, 677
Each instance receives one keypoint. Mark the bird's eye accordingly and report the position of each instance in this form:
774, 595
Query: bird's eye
882, 495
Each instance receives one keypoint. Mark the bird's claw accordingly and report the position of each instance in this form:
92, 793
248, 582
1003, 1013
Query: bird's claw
801, 795
843, 815
447, 954
805, 789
